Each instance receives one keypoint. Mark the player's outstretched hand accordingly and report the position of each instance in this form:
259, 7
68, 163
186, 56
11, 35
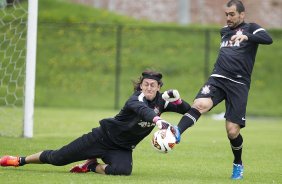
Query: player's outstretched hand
173, 96
162, 124
176, 132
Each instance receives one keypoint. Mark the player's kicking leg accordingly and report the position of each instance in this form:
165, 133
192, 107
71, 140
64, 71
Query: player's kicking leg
87, 166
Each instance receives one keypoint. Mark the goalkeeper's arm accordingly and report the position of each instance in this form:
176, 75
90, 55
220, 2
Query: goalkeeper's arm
172, 96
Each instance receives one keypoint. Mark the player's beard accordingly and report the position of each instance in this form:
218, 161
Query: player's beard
233, 24
230, 23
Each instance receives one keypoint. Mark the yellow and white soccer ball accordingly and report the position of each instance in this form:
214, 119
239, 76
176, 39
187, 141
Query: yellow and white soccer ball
164, 140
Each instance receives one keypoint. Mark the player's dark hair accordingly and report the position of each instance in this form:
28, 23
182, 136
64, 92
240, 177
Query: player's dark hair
239, 5
147, 74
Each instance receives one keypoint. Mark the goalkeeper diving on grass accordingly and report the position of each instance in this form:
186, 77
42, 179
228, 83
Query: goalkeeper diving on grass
114, 140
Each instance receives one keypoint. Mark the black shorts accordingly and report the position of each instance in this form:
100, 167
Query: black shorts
95, 144
234, 94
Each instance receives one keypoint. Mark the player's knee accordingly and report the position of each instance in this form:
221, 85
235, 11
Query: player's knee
232, 134
202, 104
232, 130
119, 170
125, 171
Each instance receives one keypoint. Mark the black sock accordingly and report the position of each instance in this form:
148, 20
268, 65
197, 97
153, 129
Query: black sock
22, 161
236, 146
92, 167
188, 120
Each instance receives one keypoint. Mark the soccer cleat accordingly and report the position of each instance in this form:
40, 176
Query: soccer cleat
237, 173
84, 167
176, 132
9, 161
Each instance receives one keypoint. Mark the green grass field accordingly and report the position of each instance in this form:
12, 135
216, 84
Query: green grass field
202, 157
76, 68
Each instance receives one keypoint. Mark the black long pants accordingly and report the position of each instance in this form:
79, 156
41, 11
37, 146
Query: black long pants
95, 144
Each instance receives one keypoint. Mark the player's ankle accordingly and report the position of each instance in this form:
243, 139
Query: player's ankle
22, 161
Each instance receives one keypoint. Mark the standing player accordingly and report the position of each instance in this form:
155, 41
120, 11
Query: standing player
231, 78
116, 137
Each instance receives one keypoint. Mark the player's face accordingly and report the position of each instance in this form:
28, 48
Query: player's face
150, 87
233, 17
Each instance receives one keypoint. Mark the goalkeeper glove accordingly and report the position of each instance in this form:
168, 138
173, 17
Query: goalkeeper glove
172, 96
161, 124
176, 132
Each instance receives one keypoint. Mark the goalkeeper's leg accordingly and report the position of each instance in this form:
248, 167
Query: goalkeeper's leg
59, 157
117, 162
84, 147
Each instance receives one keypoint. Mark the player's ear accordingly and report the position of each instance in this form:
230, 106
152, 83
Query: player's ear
140, 85
242, 15
159, 87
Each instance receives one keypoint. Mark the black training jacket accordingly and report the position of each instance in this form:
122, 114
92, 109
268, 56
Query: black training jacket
135, 120
236, 60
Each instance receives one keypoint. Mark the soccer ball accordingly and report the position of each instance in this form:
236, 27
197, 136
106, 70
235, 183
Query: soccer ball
163, 140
